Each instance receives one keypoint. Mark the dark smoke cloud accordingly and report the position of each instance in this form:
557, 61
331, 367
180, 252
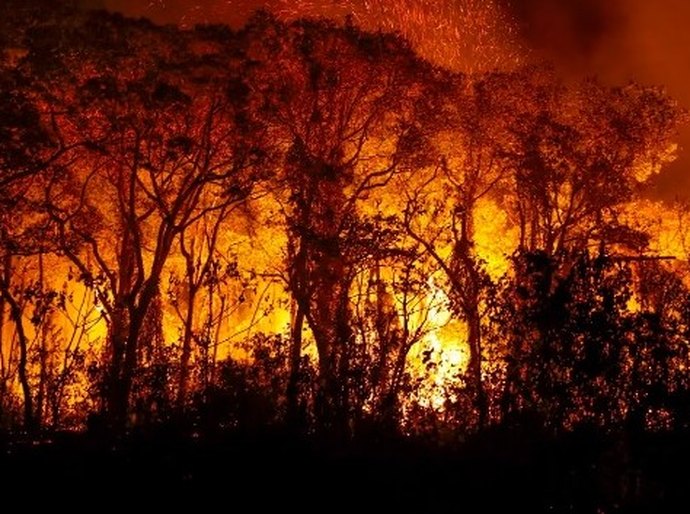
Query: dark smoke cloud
570, 32
618, 40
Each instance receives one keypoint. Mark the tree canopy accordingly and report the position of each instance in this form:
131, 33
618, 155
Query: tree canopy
306, 223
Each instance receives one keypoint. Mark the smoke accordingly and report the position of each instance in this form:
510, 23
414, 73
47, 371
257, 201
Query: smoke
569, 32
618, 41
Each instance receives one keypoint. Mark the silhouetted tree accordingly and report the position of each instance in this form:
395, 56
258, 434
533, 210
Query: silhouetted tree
342, 103
166, 145
469, 124
26, 151
582, 152
136, 155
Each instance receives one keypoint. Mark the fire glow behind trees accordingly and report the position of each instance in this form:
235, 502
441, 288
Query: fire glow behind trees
329, 226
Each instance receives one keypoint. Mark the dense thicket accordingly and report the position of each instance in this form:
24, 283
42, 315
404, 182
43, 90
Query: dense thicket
285, 224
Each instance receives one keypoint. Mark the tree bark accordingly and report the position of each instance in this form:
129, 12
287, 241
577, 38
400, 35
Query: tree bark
186, 355
292, 392
469, 304
43, 350
16, 315
475, 344
114, 403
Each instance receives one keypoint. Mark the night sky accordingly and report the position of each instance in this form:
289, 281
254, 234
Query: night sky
616, 40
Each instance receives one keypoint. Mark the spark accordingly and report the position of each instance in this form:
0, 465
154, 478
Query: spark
463, 35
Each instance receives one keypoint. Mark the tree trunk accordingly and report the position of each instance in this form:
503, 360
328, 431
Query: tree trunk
320, 275
469, 304
16, 316
475, 365
129, 315
129, 368
43, 371
186, 349
113, 393
292, 392
216, 338
21, 366
43, 350
329, 320
130, 365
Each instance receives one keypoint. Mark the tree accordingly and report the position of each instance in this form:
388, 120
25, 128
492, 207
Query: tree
581, 355
26, 151
341, 103
580, 154
168, 142
469, 123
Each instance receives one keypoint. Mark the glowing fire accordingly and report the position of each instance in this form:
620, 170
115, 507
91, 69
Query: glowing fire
442, 356
247, 291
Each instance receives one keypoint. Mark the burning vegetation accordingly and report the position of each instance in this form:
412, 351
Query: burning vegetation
303, 223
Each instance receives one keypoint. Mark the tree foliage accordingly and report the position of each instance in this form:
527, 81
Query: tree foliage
313, 172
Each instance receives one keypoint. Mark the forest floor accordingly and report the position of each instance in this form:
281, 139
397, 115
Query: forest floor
501, 471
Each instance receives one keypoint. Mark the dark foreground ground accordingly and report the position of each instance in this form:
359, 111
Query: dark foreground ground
502, 471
